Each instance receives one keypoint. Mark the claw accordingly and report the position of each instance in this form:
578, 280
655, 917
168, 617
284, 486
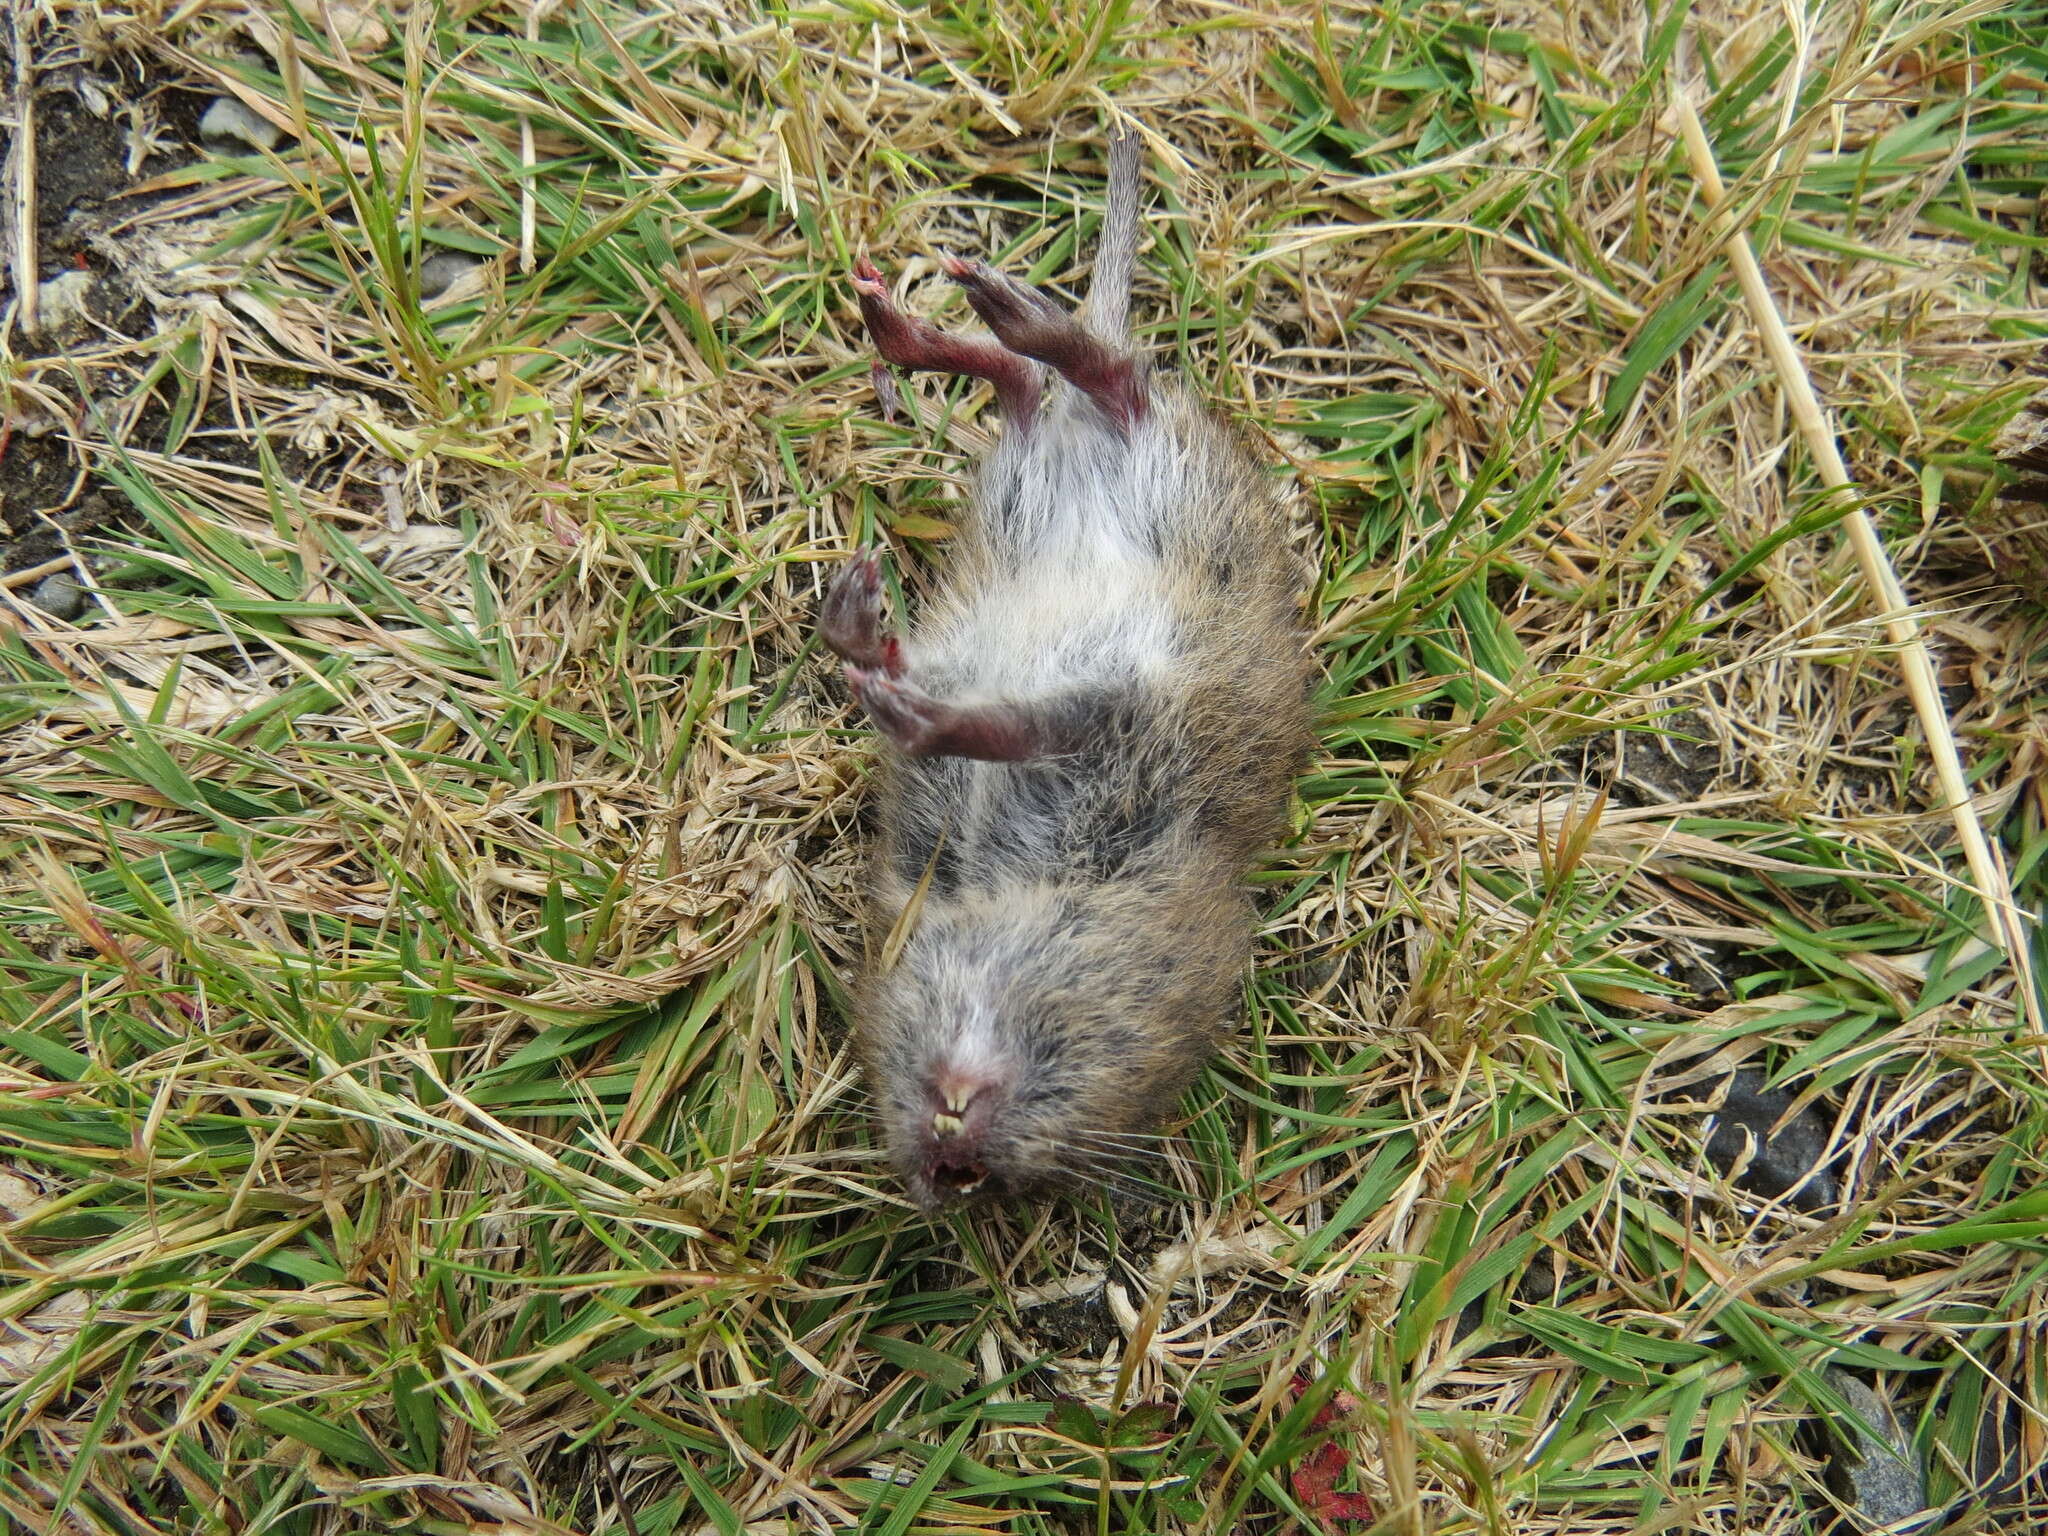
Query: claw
850, 621
884, 384
1027, 321
902, 712
918, 345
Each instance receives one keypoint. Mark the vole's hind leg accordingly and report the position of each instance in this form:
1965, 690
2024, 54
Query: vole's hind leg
850, 620
920, 346
923, 726
1027, 321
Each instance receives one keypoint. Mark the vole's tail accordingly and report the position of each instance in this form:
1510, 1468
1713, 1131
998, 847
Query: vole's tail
1116, 251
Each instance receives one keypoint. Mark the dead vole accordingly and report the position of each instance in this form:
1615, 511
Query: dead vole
1094, 727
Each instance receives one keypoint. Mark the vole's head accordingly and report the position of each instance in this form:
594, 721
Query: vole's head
1009, 1050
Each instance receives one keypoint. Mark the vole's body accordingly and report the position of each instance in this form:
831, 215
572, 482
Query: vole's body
1097, 724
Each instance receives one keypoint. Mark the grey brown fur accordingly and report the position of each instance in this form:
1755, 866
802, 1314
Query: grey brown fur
1095, 724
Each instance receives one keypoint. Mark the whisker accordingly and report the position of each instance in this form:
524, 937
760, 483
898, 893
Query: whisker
1096, 1130
1117, 1178
1091, 1133
1108, 1143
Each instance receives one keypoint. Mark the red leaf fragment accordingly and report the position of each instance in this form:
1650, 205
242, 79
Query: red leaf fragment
1314, 1481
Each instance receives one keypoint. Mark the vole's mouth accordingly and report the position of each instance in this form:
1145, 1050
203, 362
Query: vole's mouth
958, 1177
961, 1103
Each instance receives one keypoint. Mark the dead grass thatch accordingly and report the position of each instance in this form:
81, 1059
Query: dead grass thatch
430, 850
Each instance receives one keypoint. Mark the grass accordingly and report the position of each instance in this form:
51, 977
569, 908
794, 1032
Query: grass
427, 871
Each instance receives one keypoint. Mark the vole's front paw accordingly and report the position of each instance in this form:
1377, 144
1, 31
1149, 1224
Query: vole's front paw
850, 621
923, 726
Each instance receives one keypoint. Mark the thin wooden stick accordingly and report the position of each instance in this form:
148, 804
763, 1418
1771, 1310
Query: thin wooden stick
528, 201
2011, 927
35, 573
21, 168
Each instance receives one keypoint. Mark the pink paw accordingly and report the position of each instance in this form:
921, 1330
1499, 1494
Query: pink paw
850, 621
902, 711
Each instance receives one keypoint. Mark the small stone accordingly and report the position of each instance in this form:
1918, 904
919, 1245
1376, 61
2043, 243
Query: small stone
2008, 1487
60, 596
355, 24
2022, 443
1878, 1476
228, 123
1740, 1140
63, 303
29, 1343
441, 272
19, 1198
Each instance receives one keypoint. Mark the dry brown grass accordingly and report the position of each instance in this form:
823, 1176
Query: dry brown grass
429, 861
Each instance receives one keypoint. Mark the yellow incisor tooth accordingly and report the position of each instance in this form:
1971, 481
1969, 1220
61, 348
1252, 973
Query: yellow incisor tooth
944, 1124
